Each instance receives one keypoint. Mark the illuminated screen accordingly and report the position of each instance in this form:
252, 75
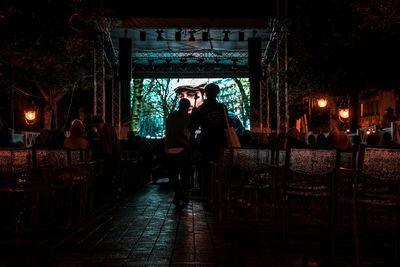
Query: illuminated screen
154, 99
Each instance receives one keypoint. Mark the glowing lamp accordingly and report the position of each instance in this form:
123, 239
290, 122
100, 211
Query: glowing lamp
322, 102
344, 113
30, 116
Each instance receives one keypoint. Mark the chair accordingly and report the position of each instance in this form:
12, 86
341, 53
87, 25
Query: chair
130, 171
245, 183
68, 178
374, 191
343, 176
79, 176
51, 165
308, 178
21, 187
279, 157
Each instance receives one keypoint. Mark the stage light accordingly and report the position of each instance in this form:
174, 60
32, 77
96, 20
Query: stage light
159, 37
234, 63
217, 66
191, 38
241, 36
226, 38
177, 36
205, 36
150, 60
142, 36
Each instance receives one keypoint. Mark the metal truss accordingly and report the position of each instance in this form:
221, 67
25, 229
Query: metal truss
189, 70
275, 54
116, 101
278, 31
99, 81
201, 63
195, 55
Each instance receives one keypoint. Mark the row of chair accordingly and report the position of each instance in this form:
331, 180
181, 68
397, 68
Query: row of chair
267, 183
41, 187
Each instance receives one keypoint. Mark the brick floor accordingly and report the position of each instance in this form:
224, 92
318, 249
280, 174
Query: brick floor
146, 229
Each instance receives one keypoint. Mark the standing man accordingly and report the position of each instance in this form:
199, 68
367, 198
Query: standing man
108, 151
176, 147
196, 96
210, 116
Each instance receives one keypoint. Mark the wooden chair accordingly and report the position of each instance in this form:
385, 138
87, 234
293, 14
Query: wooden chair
21, 188
343, 182
373, 189
52, 165
130, 171
78, 164
279, 158
245, 183
308, 177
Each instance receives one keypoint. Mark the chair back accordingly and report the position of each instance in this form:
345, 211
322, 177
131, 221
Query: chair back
312, 161
382, 163
348, 160
280, 157
77, 156
309, 169
78, 160
55, 158
251, 159
51, 163
15, 166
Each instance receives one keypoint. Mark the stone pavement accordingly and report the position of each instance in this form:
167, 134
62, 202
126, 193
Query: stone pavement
146, 229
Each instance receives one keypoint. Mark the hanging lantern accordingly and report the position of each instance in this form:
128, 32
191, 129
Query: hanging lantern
344, 113
322, 102
30, 116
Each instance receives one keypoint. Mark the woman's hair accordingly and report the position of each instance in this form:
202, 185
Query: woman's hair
77, 128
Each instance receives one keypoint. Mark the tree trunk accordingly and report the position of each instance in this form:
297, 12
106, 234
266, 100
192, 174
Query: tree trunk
50, 111
245, 100
136, 105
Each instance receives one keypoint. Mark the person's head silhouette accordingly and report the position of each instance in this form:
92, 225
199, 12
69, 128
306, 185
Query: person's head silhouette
212, 90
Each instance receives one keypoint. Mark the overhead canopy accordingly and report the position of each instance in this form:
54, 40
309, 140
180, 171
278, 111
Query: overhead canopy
200, 9
185, 44
153, 22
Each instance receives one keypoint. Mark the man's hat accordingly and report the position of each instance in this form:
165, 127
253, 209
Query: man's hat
192, 88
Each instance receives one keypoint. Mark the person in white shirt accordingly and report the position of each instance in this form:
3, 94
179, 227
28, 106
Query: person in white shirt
176, 146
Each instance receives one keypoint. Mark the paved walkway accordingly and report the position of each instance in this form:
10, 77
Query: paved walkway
146, 229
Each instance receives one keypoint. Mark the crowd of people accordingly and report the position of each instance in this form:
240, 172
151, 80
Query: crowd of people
195, 134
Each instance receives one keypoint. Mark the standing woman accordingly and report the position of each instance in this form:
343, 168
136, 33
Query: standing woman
76, 139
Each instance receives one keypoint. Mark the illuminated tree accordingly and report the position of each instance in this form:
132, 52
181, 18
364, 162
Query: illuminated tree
136, 100
158, 101
47, 46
